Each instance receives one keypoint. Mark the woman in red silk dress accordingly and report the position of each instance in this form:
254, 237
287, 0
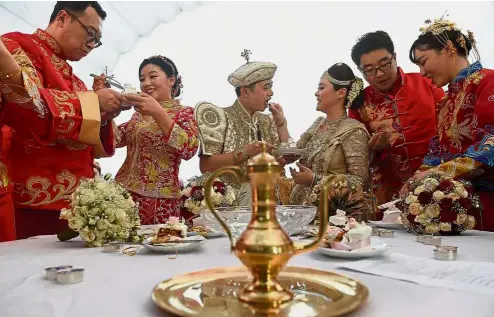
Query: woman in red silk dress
463, 147
158, 136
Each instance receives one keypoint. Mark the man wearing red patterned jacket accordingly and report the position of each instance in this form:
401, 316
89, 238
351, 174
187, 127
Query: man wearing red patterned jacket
399, 112
53, 149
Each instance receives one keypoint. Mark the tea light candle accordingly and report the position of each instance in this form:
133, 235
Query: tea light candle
375, 231
386, 233
51, 272
70, 276
447, 248
446, 253
431, 240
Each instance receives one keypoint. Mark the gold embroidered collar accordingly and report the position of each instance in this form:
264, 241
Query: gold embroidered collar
244, 115
169, 103
50, 42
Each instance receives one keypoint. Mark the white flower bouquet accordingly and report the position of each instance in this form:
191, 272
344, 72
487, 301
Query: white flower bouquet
193, 195
101, 211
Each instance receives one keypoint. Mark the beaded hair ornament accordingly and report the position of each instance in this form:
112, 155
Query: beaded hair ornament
440, 26
356, 86
178, 78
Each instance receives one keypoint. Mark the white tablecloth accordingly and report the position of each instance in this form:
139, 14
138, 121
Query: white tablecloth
121, 285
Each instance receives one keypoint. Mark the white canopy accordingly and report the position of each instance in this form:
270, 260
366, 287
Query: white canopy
125, 25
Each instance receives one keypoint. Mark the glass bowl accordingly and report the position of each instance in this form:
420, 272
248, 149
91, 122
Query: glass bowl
292, 218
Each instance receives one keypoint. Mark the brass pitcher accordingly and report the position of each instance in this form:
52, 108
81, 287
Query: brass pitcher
264, 247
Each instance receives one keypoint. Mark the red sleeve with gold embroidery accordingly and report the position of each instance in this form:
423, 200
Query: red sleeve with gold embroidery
48, 114
184, 134
481, 153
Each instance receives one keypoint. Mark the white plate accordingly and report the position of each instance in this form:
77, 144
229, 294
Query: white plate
212, 234
195, 242
387, 225
290, 151
378, 247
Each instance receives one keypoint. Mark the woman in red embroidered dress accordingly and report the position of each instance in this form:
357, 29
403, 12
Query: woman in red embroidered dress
463, 147
158, 136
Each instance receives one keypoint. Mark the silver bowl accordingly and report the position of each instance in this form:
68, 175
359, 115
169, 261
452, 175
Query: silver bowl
292, 218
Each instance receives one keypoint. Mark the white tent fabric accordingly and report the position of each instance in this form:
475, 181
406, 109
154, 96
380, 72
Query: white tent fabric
122, 29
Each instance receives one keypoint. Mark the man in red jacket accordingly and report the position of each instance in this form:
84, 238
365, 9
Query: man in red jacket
59, 127
399, 112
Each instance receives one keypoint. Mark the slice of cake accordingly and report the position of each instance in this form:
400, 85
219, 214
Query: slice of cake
173, 229
391, 213
343, 234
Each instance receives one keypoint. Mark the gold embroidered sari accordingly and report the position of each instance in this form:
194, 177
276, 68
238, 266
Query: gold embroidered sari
333, 148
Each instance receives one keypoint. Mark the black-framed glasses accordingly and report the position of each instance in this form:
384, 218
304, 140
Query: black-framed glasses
90, 36
369, 72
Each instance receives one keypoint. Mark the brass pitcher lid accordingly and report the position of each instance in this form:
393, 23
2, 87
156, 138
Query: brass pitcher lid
263, 158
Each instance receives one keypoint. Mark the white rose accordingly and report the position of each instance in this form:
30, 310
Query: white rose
115, 228
76, 223
187, 191
411, 199
87, 198
196, 210
229, 196
438, 195
216, 198
110, 213
66, 214
453, 196
101, 185
431, 184
100, 234
85, 191
190, 204
120, 214
87, 234
463, 193
103, 224
419, 189
94, 211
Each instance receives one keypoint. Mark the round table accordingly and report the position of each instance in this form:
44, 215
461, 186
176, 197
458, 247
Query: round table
120, 285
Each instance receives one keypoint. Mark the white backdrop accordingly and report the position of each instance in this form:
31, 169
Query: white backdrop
302, 38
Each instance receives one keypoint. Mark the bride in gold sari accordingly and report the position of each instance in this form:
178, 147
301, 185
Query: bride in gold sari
336, 146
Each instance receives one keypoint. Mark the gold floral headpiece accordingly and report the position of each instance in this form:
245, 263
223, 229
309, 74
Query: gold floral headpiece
440, 26
356, 86
167, 61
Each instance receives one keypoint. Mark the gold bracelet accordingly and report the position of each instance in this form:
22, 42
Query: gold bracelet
9, 76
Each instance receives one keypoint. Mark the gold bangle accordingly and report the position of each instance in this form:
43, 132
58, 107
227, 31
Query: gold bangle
9, 76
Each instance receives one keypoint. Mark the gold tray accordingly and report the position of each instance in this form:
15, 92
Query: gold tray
213, 293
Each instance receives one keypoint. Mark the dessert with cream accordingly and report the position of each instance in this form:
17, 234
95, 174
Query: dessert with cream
348, 235
391, 214
173, 229
340, 219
